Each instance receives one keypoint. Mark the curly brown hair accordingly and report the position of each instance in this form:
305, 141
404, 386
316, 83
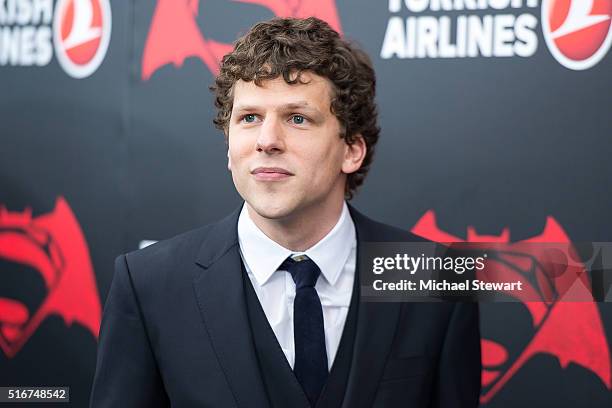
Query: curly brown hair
286, 46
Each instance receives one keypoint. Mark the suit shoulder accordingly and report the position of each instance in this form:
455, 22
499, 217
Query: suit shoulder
393, 233
168, 254
374, 230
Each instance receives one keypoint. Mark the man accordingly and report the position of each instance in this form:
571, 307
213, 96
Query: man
262, 308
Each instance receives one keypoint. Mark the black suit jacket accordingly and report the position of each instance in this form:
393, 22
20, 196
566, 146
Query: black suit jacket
175, 332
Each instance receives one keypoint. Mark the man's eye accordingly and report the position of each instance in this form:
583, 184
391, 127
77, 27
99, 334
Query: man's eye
298, 119
249, 118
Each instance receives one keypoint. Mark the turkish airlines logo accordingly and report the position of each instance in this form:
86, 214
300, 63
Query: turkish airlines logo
571, 331
54, 247
81, 33
577, 32
174, 34
78, 30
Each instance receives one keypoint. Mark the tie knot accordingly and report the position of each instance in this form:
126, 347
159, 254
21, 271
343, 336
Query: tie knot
303, 270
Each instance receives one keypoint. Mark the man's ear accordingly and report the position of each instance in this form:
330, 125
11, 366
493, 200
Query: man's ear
354, 154
229, 159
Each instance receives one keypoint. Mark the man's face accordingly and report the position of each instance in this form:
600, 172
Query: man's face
285, 150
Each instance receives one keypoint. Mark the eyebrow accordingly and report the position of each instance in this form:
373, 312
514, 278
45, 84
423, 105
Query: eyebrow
286, 107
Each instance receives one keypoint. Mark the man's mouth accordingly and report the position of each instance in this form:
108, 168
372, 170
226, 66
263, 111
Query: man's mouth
271, 173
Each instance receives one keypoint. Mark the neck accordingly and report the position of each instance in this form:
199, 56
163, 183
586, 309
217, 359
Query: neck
299, 232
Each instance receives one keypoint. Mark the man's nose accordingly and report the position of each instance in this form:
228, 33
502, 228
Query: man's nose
271, 138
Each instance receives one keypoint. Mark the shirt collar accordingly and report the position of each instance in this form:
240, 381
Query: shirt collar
263, 255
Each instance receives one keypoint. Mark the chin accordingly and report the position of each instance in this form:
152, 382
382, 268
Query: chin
271, 209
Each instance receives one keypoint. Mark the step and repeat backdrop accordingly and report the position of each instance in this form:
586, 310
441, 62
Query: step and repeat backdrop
496, 121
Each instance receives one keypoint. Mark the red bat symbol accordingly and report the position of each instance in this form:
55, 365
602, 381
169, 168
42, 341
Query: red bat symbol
571, 331
53, 245
174, 34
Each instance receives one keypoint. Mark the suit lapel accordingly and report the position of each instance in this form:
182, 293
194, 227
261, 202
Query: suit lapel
376, 326
220, 295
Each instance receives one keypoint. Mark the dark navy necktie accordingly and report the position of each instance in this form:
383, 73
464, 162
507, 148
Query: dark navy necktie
310, 366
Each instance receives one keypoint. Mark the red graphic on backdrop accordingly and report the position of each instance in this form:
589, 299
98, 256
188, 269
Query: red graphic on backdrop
81, 33
174, 34
52, 244
577, 32
570, 331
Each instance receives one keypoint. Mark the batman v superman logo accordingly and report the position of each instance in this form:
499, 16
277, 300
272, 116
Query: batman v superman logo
46, 270
174, 34
571, 331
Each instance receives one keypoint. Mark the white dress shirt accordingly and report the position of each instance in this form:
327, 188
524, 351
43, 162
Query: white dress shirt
334, 255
